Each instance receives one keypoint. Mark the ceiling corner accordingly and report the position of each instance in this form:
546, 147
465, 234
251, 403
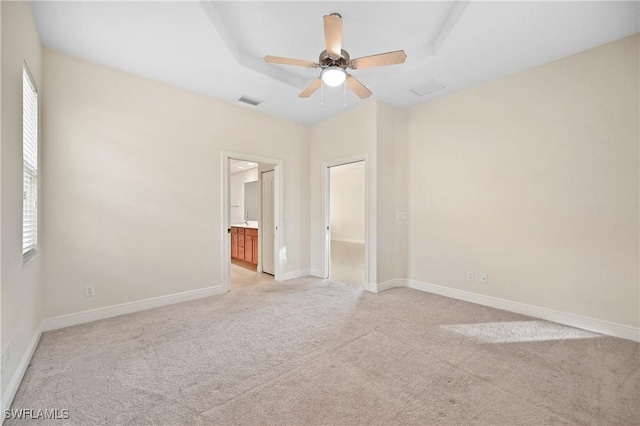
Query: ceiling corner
448, 25
243, 58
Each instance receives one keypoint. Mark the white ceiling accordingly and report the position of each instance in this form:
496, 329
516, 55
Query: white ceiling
239, 166
357, 167
216, 48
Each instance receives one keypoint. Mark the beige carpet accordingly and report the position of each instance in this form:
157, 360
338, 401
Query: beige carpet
314, 352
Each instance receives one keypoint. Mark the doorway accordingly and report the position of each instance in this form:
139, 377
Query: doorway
346, 215
250, 220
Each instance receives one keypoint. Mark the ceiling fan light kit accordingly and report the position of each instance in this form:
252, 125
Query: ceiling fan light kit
334, 61
333, 76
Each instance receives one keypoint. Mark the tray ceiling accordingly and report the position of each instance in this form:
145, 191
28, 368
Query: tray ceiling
216, 48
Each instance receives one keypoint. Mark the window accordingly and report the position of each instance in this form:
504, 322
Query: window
29, 164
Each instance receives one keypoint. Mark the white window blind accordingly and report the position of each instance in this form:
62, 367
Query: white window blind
30, 164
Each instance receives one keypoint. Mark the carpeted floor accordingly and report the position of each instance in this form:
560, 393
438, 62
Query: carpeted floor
316, 352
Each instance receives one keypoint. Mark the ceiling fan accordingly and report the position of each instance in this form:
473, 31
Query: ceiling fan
334, 61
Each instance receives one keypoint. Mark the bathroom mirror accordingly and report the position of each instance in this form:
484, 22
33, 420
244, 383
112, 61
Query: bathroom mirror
251, 200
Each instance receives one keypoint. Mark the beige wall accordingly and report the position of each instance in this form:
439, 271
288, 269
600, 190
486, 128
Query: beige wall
342, 137
132, 184
21, 289
378, 131
533, 179
347, 203
391, 145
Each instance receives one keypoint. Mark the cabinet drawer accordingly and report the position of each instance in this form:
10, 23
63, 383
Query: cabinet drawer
240, 230
252, 232
234, 230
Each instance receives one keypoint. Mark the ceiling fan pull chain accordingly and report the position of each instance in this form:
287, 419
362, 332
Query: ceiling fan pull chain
345, 94
322, 93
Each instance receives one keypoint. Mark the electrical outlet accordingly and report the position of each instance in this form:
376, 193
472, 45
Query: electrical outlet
470, 276
484, 278
88, 291
401, 215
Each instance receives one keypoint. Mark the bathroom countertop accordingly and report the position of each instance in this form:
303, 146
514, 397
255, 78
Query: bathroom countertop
244, 225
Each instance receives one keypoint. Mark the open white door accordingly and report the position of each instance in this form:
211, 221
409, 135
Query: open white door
268, 223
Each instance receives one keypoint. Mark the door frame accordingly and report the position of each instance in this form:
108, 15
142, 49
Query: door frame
261, 240
326, 189
225, 225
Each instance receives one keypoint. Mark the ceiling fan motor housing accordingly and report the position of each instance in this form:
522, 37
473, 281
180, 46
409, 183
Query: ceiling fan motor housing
326, 61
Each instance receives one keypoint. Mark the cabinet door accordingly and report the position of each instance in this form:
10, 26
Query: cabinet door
255, 250
234, 245
248, 248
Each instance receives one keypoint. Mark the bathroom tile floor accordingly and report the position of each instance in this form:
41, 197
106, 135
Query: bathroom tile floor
347, 263
347, 266
242, 276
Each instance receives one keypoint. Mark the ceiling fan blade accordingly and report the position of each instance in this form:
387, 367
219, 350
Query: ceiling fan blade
308, 91
358, 88
288, 61
333, 35
389, 58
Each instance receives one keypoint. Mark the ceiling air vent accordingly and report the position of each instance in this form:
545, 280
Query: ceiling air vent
248, 101
428, 88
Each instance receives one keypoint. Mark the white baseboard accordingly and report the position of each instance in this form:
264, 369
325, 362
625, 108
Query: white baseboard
127, 308
10, 392
316, 273
385, 285
348, 240
295, 274
586, 323
372, 287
